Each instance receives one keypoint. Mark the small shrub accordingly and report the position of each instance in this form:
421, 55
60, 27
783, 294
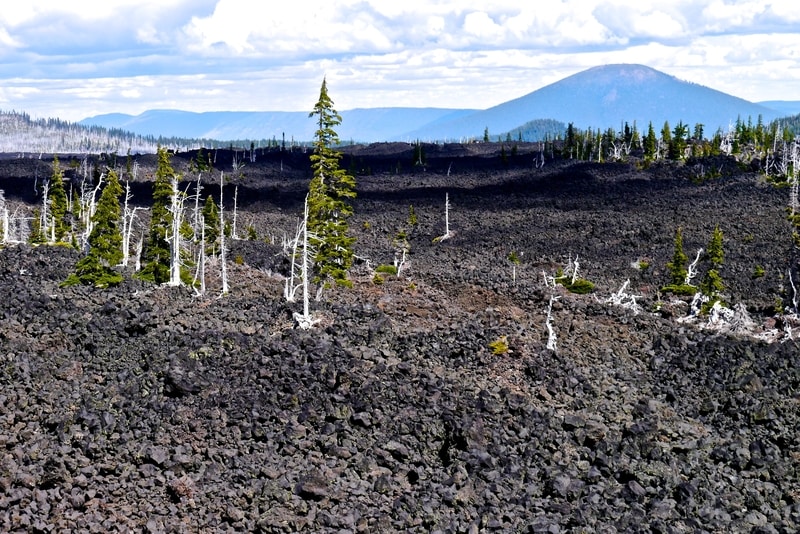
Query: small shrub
581, 286
758, 272
499, 346
412, 216
386, 269
643, 265
238, 260
377, 279
685, 290
513, 257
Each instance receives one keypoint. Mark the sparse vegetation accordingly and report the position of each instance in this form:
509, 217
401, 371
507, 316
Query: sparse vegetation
499, 346
391, 355
386, 269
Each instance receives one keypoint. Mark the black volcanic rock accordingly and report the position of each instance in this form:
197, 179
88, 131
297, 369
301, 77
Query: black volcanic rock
148, 408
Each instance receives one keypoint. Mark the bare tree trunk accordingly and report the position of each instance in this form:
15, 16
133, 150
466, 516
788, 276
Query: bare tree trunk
290, 289
176, 208
43, 215
305, 320
223, 265
128, 217
200, 273
551, 333
139, 248
197, 216
234, 235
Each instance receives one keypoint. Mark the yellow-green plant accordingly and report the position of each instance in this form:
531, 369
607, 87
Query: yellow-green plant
499, 346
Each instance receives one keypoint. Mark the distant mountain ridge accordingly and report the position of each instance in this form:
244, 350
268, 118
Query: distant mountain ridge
607, 96
374, 124
599, 97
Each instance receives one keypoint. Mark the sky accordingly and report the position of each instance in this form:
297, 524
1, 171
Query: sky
73, 59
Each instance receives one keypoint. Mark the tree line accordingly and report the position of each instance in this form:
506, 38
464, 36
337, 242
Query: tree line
744, 139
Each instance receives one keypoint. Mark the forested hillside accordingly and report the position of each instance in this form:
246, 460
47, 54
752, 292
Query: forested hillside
19, 133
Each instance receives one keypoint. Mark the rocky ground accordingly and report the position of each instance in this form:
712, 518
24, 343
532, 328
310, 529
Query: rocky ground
153, 409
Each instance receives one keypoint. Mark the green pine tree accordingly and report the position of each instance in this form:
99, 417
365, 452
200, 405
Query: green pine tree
211, 222
329, 193
58, 201
570, 143
36, 236
678, 268
666, 134
157, 252
650, 143
105, 241
677, 144
712, 285
636, 139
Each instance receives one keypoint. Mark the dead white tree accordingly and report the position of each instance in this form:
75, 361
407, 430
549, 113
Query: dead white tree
234, 235
128, 218
726, 142
222, 247
538, 159
139, 248
551, 333
88, 206
794, 291
619, 149
290, 288
236, 164
44, 220
447, 233
196, 215
200, 272
305, 320
400, 263
18, 228
691, 272
574, 266
176, 209
624, 299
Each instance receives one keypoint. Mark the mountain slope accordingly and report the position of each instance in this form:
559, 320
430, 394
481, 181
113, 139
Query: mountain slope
606, 96
785, 107
376, 124
600, 97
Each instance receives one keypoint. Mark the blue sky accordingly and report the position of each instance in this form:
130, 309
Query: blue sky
77, 58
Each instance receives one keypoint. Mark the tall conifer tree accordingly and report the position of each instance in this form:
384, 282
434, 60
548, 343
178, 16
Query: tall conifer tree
330, 191
650, 143
157, 249
712, 284
58, 201
105, 241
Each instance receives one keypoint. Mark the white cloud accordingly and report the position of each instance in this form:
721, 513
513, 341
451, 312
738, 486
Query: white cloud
6, 40
84, 57
481, 25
